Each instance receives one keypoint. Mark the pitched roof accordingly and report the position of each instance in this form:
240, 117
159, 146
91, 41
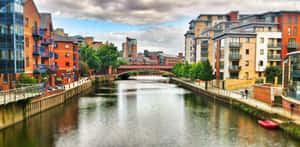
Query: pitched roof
45, 20
60, 38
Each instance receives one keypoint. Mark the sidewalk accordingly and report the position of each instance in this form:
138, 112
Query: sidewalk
250, 101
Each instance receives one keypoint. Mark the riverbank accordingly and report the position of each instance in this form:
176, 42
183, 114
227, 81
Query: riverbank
14, 113
287, 122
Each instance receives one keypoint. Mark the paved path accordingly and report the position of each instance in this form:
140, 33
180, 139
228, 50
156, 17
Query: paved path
250, 101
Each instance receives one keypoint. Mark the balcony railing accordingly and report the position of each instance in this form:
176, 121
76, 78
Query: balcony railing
40, 68
37, 50
36, 32
235, 44
235, 56
47, 42
204, 44
56, 67
293, 45
234, 68
56, 56
274, 57
272, 45
47, 54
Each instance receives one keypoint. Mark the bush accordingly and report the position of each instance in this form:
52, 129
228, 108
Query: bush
25, 79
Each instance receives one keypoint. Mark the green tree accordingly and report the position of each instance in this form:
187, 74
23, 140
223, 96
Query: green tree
84, 68
108, 56
94, 62
176, 69
206, 73
122, 62
86, 52
271, 72
25, 79
186, 70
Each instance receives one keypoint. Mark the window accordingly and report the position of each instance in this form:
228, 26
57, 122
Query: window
273, 18
247, 63
67, 54
261, 63
247, 51
270, 29
67, 64
259, 74
27, 42
56, 45
295, 31
261, 51
289, 31
247, 39
262, 40
67, 46
220, 17
27, 61
26, 21
295, 20
290, 19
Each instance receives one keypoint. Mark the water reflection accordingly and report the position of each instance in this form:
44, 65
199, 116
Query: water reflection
142, 113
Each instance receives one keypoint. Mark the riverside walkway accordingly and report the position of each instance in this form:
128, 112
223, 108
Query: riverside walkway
32, 91
250, 101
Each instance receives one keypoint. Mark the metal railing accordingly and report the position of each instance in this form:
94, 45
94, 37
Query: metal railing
22, 93
234, 56
235, 68
36, 32
36, 50
272, 45
235, 44
274, 57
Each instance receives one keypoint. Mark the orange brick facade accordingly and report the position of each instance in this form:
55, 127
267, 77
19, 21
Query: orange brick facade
263, 94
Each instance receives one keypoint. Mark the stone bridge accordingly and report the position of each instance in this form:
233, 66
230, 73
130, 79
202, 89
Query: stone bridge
123, 69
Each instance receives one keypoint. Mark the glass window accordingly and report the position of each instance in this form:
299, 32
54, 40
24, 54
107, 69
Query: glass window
261, 63
27, 61
67, 54
290, 19
295, 20
270, 29
27, 42
247, 51
26, 21
247, 63
289, 31
295, 31
67, 46
261, 51
262, 40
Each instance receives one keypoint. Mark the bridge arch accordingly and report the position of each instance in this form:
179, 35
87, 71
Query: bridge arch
143, 70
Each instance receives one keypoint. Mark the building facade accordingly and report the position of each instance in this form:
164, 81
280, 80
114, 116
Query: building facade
11, 42
130, 48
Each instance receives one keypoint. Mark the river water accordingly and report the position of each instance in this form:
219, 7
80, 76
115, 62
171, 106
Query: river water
143, 112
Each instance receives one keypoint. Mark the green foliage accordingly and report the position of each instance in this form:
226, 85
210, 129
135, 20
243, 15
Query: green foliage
84, 68
272, 72
202, 71
108, 55
134, 73
146, 53
25, 79
122, 62
94, 62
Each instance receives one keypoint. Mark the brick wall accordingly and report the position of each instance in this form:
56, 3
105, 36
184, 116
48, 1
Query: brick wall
263, 94
286, 105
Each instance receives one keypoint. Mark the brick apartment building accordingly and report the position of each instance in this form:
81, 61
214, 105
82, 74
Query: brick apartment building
130, 48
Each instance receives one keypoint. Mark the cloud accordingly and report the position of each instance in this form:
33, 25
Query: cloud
141, 12
169, 39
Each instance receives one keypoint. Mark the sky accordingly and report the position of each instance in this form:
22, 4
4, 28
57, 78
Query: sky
158, 25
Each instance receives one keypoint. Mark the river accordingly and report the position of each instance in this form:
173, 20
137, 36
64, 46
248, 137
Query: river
148, 112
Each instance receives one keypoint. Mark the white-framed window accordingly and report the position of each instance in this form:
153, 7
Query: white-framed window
261, 51
67, 46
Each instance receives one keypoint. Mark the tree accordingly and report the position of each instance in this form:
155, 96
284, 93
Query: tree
94, 62
146, 53
271, 72
186, 70
122, 62
84, 68
86, 52
207, 73
108, 56
176, 69
25, 79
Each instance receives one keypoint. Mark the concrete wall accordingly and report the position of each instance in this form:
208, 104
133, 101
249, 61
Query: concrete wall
16, 112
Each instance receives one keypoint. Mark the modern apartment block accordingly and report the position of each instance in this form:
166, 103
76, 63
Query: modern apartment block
130, 48
243, 46
11, 42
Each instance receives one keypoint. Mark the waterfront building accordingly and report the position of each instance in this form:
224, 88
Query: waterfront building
291, 82
11, 42
130, 48
167, 59
66, 59
32, 41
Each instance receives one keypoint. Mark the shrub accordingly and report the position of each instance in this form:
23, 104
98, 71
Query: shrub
25, 79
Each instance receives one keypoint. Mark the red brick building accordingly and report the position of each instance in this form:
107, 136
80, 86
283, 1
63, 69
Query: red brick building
66, 59
130, 48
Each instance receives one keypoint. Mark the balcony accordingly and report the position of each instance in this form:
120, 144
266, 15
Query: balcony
37, 50
275, 46
56, 67
204, 53
235, 56
40, 68
204, 45
296, 73
74, 67
47, 55
74, 49
36, 32
234, 68
235, 44
276, 57
293, 45
47, 42
74, 58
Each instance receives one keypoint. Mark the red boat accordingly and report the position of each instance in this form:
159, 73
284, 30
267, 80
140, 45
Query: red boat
268, 124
